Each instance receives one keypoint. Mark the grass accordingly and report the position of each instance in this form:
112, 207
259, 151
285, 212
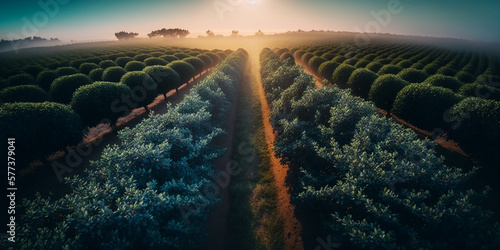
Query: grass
254, 219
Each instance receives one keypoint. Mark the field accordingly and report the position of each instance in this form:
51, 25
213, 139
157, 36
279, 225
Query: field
288, 141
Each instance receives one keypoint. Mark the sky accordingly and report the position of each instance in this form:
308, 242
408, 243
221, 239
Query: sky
94, 20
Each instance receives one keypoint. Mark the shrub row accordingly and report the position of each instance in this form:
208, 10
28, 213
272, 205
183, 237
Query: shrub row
153, 191
366, 180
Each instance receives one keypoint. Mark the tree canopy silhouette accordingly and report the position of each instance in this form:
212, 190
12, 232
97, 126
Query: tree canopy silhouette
169, 33
122, 35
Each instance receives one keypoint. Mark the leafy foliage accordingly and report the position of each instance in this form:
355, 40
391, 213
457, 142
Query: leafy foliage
384, 90
342, 73
45, 79
444, 81
21, 79
23, 93
361, 81
94, 103
144, 88
62, 88
166, 78
184, 69
113, 74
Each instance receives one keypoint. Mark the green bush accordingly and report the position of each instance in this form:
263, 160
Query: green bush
23, 93
351, 61
45, 79
418, 66
306, 57
197, 63
3, 83
424, 105
374, 66
285, 56
362, 63
206, 59
361, 81
339, 59
21, 79
326, 69
39, 128
113, 74
134, 66
66, 71
431, 69
62, 88
215, 58
465, 77
141, 57
413, 75
107, 63
299, 53
475, 124
144, 88
122, 61
389, 69
480, 90
444, 81
447, 71
76, 63
85, 68
33, 70
384, 90
94, 103
341, 74
96, 74
404, 64
182, 55
184, 69
171, 58
152, 61
315, 62
166, 78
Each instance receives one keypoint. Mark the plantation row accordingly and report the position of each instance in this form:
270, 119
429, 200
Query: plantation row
429, 87
154, 191
366, 180
43, 127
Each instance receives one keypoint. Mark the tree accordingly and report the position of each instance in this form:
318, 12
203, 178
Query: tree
169, 33
259, 33
235, 33
210, 33
122, 35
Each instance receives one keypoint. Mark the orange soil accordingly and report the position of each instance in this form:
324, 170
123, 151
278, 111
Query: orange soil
292, 227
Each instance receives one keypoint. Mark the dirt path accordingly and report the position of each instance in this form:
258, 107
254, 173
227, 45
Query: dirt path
292, 227
44, 179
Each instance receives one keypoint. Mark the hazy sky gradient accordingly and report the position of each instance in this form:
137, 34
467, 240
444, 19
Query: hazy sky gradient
98, 20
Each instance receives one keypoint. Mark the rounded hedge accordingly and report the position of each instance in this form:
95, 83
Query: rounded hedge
374, 66
328, 55
39, 128
479, 90
134, 66
444, 81
24, 93
326, 69
166, 78
20, 79
306, 57
33, 70
424, 105
413, 75
113, 74
76, 63
342, 73
206, 59
96, 74
62, 88
152, 61
122, 61
184, 69
476, 124
361, 81
66, 71
182, 55
45, 79
215, 58
171, 58
197, 63
447, 71
340, 59
95, 102
143, 87
389, 69
3, 83
362, 63
107, 63
285, 56
315, 62
351, 61
141, 57
404, 64
385, 89
431, 69
85, 68
465, 77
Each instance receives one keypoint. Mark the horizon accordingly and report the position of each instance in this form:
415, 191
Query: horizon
77, 21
